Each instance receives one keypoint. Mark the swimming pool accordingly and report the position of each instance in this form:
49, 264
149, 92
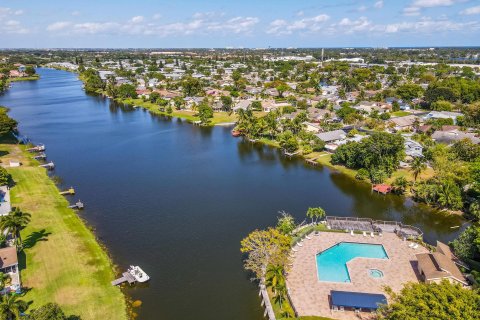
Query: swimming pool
332, 263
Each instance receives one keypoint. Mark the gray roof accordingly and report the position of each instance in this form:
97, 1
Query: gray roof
453, 136
332, 135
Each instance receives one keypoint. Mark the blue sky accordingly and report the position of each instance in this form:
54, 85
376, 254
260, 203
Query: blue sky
242, 23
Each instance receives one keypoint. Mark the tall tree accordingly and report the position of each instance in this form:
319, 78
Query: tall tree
14, 222
440, 301
11, 307
264, 248
418, 166
315, 213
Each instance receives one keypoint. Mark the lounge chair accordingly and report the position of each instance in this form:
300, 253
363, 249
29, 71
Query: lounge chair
299, 244
364, 234
371, 234
294, 250
411, 244
415, 246
308, 237
351, 233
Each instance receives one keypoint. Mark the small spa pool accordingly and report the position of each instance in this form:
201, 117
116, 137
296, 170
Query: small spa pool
375, 273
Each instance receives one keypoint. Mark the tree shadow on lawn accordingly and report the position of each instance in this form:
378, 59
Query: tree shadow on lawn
28, 243
34, 237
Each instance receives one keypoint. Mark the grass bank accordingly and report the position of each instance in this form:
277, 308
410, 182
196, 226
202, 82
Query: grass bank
32, 78
218, 117
62, 261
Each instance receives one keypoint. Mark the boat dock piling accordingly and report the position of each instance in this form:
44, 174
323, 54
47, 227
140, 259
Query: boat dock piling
78, 205
70, 191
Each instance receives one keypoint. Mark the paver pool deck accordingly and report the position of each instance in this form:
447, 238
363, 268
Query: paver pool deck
310, 296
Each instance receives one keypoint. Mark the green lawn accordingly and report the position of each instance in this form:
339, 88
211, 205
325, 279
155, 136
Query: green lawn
62, 261
218, 117
35, 77
400, 113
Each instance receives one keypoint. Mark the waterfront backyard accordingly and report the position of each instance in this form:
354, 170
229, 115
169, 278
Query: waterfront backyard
62, 261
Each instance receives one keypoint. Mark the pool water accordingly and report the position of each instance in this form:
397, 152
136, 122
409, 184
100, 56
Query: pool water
332, 263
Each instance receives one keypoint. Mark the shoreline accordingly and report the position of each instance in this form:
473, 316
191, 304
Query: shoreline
350, 173
78, 265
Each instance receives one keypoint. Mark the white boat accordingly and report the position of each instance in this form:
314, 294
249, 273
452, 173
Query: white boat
138, 274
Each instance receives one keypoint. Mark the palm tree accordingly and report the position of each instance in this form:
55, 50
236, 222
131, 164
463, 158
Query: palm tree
315, 213
3, 278
14, 222
280, 295
11, 307
418, 165
275, 277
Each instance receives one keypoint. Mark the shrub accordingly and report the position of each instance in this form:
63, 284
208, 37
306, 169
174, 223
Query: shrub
362, 174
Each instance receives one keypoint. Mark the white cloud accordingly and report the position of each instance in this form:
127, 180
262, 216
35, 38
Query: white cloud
75, 13
433, 3
282, 27
9, 25
378, 4
57, 26
415, 7
137, 19
201, 24
411, 11
157, 16
4, 12
472, 10
362, 8
428, 26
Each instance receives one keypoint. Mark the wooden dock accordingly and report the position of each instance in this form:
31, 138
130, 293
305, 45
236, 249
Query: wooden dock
48, 166
40, 156
70, 191
312, 161
78, 205
290, 154
126, 277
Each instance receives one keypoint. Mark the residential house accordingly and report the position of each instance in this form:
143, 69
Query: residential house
413, 148
312, 127
443, 115
452, 136
440, 265
370, 106
332, 139
318, 115
9, 265
405, 123
242, 104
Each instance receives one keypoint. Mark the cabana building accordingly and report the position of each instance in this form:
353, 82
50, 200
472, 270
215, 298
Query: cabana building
360, 301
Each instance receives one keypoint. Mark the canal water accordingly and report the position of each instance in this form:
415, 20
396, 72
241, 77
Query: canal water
177, 199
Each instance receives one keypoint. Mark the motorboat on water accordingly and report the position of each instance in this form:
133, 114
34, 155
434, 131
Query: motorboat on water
138, 274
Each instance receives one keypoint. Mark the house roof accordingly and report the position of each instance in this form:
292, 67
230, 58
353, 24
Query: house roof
332, 135
404, 121
8, 257
451, 136
445, 249
437, 265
